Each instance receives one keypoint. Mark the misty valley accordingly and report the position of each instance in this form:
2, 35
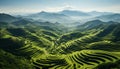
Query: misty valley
60, 40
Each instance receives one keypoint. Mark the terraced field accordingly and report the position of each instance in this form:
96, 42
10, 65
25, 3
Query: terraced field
46, 45
85, 59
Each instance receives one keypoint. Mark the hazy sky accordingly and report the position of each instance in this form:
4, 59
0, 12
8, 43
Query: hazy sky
25, 6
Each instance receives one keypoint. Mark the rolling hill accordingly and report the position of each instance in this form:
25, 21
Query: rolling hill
110, 17
7, 18
33, 44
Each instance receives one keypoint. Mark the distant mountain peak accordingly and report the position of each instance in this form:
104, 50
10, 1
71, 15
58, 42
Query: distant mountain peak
95, 21
42, 12
71, 10
74, 13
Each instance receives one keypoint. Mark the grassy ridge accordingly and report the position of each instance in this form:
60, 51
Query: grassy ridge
50, 46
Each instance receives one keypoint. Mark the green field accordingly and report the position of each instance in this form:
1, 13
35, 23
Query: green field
46, 45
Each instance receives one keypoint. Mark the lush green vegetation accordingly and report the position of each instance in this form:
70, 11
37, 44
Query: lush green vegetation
28, 44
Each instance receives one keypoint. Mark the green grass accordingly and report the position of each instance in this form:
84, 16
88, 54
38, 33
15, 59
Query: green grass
79, 60
49, 47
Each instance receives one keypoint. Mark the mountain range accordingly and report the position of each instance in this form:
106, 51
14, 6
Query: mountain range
60, 40
70, 16
66, 16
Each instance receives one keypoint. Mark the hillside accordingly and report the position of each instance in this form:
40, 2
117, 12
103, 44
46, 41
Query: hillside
109, 17
33, 44
7, 18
